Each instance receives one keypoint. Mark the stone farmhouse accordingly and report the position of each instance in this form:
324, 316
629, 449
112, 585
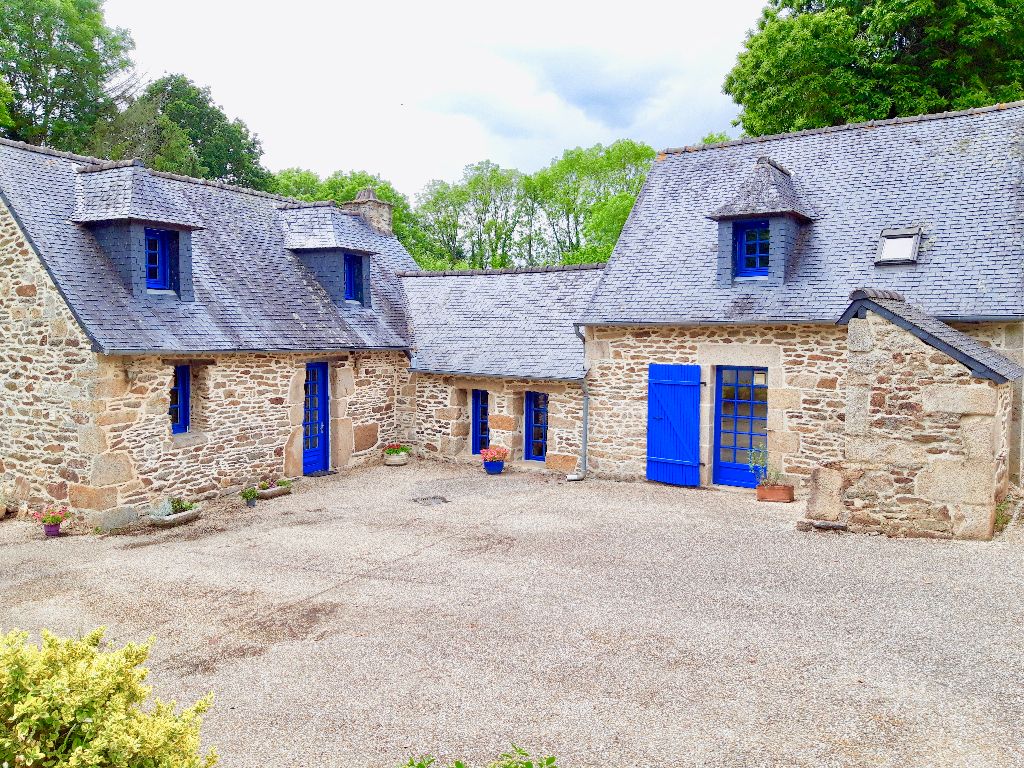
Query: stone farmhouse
850, 299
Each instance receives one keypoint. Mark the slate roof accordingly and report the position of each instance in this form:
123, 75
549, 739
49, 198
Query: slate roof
984, 362
252, 293
957, 175
767, 190
504, 323
124, 191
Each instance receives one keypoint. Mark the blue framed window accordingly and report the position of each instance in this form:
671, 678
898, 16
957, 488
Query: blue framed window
181, 399
158, 259
353, 277
536, 447
481, 430
751, 245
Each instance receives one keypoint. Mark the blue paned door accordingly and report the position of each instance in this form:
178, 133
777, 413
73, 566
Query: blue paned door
741, 423
481, 429
673, 424
316, 408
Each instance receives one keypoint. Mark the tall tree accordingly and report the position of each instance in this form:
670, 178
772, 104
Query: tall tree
142, 131
6, 97
341, 187
812, 63
225, 148
62, 64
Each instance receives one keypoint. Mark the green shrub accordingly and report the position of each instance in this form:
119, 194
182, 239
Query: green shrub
284, 483
180, 505
82, 703
516, 758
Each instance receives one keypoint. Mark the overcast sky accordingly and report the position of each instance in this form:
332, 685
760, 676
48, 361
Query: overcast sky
415, 91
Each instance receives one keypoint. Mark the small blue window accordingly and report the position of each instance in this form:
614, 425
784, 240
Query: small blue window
536, 447
181, 399
751, 244
158, 259
481, 430
353, 277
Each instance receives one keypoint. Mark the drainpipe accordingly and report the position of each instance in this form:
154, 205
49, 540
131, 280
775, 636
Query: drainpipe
575, 476
586, 432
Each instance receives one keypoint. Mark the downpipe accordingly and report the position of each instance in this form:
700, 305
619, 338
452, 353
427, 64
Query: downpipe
577, 476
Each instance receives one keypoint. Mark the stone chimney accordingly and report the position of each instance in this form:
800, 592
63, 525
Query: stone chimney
373, 210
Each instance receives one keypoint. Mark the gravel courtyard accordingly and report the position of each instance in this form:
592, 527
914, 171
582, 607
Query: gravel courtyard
613, 624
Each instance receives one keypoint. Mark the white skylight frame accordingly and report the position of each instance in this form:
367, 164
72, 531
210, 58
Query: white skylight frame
898, 246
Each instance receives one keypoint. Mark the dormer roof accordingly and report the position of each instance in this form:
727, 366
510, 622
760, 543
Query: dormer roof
767, 190
128, 191
323, 226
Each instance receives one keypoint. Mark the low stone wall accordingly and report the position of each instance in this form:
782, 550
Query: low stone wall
443, 419
925, 443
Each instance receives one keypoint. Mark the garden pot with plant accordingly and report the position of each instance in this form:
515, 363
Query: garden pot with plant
494, 459
52, 517
175, 511
250, 495
396, 454
272, 491
769, 480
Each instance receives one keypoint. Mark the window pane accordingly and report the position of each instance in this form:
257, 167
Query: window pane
745, 377
743, 393
741, 457
760, 377
728, 408
725, 455
743, 409
727, 438
742, 425
761, 411
742, 441
759, 441
761, 394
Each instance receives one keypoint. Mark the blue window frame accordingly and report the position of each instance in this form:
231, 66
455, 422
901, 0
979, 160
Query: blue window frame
158, 259
536, 447
181, 399
751, 246
354, 277
481, 430
741, 423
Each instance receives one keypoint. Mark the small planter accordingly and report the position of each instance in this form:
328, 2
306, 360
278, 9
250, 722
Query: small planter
782, 493
272, 493
494, 467
396, 459
52, 530
250, 502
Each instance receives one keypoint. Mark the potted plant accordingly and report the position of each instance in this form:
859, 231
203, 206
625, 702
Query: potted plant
769, 480
396, 454
52, 517
494, 459
175, 511
250, 495
266, 490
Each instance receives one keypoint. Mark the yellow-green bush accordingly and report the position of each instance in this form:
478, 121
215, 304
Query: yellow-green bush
79, 703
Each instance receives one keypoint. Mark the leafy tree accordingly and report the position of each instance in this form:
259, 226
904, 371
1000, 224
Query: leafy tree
342, 187
440, 208
812, 63
61, 64
715, 137
493, 213
6, 97
75, 702
225, 149
142, 131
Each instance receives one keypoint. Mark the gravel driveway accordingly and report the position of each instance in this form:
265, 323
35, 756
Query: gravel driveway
614, 624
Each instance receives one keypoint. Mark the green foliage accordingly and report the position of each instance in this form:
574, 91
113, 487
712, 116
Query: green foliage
514, 758
250, 494
812, 63
73, 702
285, 483
342, 187
142, 131
180, 505
569, 212
715, 137
60, 64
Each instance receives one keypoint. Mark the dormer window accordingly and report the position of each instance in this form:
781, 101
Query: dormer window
752, 244
353, 277
159, 256
898, 246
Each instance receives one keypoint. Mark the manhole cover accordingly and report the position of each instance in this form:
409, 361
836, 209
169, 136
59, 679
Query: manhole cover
431, 501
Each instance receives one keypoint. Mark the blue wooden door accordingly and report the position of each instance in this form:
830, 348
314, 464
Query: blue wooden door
481, 437
316, 408
741, 423
673, 424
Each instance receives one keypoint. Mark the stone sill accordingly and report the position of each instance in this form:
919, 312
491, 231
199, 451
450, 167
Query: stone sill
189, 439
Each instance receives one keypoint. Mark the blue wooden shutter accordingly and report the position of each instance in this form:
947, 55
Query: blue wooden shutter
673, 424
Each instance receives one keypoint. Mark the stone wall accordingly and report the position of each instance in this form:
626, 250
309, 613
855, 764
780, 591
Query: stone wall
246, 424
925, 442
806, 365
46, 365
443, 420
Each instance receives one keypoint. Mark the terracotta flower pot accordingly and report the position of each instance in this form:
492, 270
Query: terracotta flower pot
782, 493
396, 459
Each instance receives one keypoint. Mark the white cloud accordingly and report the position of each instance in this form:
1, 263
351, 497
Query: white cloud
416, 90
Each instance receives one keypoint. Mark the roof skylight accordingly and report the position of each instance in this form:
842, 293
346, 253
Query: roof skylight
898, 246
